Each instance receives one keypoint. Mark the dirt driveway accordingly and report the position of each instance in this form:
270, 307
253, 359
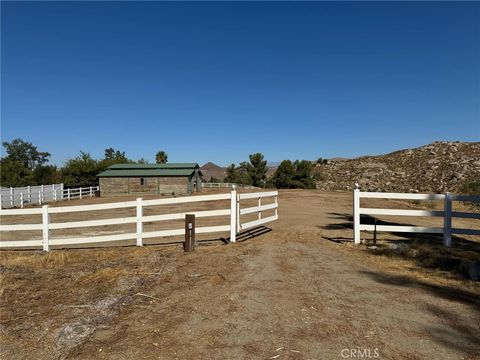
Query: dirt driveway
296, 292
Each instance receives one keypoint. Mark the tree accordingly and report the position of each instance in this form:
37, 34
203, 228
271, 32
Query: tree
112, 156
284, 175
80, 171
23, 164
13, 173
26, 153
47, 174
143, 161
161, 157
230, 174
257, 170
296, 175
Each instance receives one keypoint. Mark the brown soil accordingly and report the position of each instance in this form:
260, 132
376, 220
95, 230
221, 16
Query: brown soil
300, 291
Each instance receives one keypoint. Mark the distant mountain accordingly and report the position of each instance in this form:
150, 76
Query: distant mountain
437, 167
210, 170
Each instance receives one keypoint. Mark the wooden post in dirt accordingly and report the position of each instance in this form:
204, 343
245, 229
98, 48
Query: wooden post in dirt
356, 216
189, 233
447, 220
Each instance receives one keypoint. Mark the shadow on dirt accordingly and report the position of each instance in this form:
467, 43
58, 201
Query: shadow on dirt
453, 333
426, 250
445, 292
249, 234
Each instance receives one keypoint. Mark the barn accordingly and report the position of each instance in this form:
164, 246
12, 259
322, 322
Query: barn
164, 179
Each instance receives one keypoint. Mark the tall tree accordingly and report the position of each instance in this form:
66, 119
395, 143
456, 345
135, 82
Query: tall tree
80, 171
257, 169
284, 175
26, 153
230, 174
161, 157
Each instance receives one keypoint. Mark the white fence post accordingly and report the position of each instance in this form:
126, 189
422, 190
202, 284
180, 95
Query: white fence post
42, 189
54, 194
233, 216
21, 200
91, 191
39, 197
45, 222
447, 220
11, 197
29, 189
259, 212
80, 192
356, 216
68, 194
139, 222
61, 191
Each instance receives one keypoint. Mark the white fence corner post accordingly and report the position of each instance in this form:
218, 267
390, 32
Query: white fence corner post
447, 220
233, 216
356, 216
45, 225
139, 221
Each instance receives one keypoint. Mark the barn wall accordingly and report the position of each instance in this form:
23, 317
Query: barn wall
113, 186
153, 185
150, 186
170, 185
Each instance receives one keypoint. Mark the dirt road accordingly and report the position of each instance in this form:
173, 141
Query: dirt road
291, 293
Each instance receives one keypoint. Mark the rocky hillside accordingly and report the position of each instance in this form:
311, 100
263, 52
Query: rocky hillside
437, 167
211, 170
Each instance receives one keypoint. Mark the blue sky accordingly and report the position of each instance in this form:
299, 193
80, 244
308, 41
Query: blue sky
217, 81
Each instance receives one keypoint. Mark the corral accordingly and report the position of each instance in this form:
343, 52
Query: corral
300, 291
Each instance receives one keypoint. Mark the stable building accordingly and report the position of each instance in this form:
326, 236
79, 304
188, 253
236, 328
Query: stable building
138, 179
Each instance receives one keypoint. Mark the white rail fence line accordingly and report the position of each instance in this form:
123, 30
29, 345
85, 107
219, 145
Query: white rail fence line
232, 212
447, 214
19, 197
256, 209
227, 185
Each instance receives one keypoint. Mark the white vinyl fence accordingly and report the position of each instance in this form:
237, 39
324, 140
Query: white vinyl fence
227, 185
21, 196
447, 214
233, 212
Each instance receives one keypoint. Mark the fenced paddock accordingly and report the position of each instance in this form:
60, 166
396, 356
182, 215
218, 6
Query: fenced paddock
446, 214
38, 195
210, 185
138, 222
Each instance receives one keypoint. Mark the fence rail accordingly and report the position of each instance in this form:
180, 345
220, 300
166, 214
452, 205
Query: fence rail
233, 226
447, 214
41, 194
228, 185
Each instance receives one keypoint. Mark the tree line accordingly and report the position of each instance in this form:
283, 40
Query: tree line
289, 174
25, 165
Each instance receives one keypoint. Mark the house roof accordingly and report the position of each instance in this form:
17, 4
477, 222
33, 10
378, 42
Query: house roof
146, 170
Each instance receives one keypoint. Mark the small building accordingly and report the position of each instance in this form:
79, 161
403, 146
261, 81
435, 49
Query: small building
138, 179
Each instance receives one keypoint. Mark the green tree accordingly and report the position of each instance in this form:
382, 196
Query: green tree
143, 161
257, 170
46, 174
230, 174
13, 173
111, 157
284, 175
26, 153
303, 174
80, 171
161, 157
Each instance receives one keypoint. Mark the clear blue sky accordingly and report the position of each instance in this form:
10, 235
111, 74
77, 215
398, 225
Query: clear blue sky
218, 81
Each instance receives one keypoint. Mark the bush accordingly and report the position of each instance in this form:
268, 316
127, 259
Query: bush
471, 187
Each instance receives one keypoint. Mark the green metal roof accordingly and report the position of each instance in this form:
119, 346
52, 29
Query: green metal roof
155, 166
146, 170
